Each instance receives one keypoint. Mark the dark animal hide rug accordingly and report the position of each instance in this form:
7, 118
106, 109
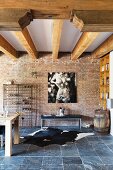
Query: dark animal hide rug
48, 136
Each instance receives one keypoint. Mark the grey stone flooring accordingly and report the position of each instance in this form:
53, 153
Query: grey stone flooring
89, 153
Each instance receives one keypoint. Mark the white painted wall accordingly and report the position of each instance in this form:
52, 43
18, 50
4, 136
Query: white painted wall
111, 116
111, 89
111, 75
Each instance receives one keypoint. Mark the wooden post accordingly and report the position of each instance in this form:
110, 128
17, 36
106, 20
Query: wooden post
16, 131
8, 138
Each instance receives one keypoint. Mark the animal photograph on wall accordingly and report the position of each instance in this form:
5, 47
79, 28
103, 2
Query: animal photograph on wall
62, 87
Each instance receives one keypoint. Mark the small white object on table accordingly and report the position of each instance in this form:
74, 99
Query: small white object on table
7, 122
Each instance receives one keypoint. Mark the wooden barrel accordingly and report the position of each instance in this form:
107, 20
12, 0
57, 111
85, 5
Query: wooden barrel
101, 121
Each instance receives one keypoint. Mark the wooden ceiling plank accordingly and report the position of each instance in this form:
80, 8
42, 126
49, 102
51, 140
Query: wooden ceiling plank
58, 4
7, 48
27, 42
83, 43
56, 35
104, 48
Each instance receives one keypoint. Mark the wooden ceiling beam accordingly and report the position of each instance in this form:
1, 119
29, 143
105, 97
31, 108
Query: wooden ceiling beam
27, 42
93, 21
18, 19
7, 48
83, 43
95, 16
56, 35
14, 19
104, 48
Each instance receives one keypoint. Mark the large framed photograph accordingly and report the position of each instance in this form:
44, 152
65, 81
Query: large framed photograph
62, 87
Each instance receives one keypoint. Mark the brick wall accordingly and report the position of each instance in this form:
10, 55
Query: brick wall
86, 68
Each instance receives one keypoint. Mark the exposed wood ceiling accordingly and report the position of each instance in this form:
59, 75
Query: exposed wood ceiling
27, 42
56, 35
36, 35
65, 38
104, 48
7, 48
97, 14
83, 43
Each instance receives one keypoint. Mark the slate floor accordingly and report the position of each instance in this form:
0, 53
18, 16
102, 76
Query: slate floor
90, 153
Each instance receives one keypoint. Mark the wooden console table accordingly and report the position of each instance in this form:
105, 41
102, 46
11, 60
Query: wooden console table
65, 117
7, 122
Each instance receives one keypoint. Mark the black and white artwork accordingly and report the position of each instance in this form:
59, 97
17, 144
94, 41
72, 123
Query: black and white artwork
62, 87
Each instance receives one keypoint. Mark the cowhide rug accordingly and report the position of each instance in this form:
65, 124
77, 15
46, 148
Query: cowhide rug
44, 137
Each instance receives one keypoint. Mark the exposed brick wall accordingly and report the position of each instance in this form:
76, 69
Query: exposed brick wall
86, 68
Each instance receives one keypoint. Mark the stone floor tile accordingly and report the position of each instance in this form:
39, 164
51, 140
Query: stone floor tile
36, 151
102, 150
107, 139
110, 146
69, 150
94, 140
52, 167
92, 159
73, 167
52, 161
1, 160
13, 160
108, 167
52, 150
107, 160
87, 151
2, 152
94, 167
35, 161
72, 160
9, 167
20, 150
32, 167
